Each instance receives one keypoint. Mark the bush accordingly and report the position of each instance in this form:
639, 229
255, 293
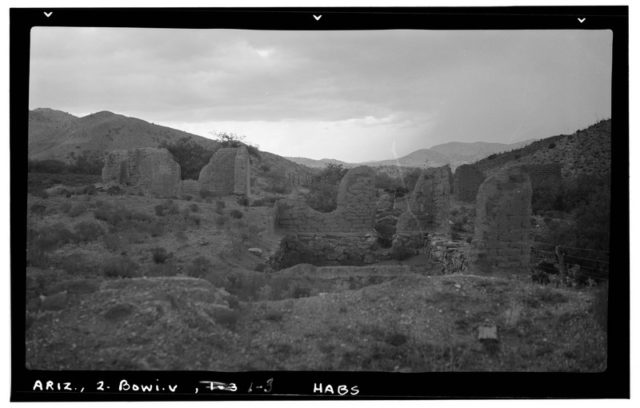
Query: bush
38, 209
194, 207
191, 156
324, 188
199, 267
120, 267
552, 145
220, 205
243, 201
50, 238
78, 209
220, 221
167, 208
87, 231
237, 214
601, 307
76, 264
160, 255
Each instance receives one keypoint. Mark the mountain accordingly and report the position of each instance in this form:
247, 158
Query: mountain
317, 164
584, 152
59, 135
453, 153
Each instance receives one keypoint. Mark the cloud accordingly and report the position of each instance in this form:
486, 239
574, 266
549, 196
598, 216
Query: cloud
467, 85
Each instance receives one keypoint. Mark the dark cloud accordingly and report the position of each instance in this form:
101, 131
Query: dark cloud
471, 85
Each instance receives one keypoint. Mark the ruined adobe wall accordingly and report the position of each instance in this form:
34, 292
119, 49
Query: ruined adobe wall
427, 213
355, 211
218, 176
242, 172
429, 203
466, 181
151, 170
501, 243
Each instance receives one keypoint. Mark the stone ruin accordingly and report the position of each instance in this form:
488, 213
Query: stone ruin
501, 242
151, 170
427, 211
355, 211
344, 236
466, 181
228, 172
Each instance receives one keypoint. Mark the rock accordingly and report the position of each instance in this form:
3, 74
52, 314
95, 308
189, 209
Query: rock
255, 251
488, 333
54, 302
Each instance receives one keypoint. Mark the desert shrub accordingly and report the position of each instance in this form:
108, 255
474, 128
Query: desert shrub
190, 155
220, 221
237, 214
38, 209
267, 201
323, 190
194, 207
86, 162
65, 207
114, 242
47, 166
552, 145
87, 231
76, 264
160, 255
226, 317
120, 267
243, 201
167, 208
199, 267
78, 209
52, 237
220, 206
274, 316
168, 268
115, 190
547, 196
208, 195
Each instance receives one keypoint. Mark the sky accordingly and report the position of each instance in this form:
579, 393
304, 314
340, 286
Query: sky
348, 95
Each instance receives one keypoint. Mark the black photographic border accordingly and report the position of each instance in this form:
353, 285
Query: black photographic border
612, 383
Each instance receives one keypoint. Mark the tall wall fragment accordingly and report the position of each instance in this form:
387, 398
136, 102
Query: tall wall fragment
466, 181
501, 243
228, 172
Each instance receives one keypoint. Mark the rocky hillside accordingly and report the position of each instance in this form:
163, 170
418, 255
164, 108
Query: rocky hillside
58, 135
585, 152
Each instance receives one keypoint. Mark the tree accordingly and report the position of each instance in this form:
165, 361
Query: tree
191, 156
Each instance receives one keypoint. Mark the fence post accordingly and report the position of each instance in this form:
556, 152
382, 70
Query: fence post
562, 267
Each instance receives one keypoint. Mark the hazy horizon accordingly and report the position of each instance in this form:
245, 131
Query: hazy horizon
352, 96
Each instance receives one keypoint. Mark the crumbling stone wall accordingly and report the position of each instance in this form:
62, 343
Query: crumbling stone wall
151, 170
355, 211
466, 181
501, 243
228, 172
427, 213
191, 188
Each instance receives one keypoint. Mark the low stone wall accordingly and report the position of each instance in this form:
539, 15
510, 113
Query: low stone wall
501, 243
150, 170
325, 249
